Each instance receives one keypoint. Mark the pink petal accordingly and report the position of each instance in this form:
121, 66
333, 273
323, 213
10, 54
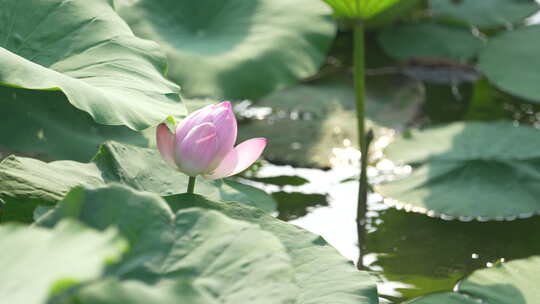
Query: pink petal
240, 158
194, 119
205, 114
195, 154
226, 128
165, 143
226, 167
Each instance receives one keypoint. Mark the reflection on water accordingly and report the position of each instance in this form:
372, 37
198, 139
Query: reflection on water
294, 205
430, 254
335, 220
412, 254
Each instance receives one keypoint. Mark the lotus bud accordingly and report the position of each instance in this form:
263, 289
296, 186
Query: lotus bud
203, 144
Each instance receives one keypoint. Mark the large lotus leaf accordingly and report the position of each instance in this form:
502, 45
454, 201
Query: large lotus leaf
359, 8
252, 257
321, 273
201, 254
512, 282
322, 113
411, 41
84, 49
469, 170
234, 48
237, 288
26, 182
510, 61
445, 298
37, 262
485, 13
40, 124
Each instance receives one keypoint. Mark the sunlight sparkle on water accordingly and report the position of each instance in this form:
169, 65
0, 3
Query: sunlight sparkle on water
246, 110
336, 223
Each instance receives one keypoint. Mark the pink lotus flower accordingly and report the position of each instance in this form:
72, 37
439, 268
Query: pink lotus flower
203, 144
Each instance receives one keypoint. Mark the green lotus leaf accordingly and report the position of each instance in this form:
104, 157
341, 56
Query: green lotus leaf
512, 282
473, 170
37, 263
202, 254
235, 49
26, 182
485, 13
401, 10
85, 50
445, 298
194, 250
411, 41
41, 125
509, 61
364, 9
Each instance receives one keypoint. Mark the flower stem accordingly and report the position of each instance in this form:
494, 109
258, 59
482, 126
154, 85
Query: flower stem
359, 73
191, 184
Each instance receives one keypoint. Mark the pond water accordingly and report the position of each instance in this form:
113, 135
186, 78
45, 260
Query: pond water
410, 254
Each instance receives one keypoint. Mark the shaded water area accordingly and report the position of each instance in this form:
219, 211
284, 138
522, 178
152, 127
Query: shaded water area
410, 254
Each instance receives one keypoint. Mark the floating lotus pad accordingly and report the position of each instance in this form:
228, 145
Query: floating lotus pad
486, 13
430, 40
510, 61
474, 170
